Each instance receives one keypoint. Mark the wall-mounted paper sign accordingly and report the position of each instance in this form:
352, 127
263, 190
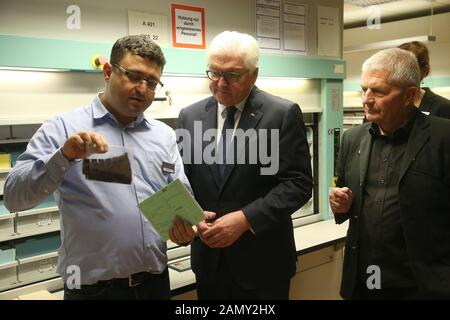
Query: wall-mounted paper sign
328, 31
188, 26
152, 24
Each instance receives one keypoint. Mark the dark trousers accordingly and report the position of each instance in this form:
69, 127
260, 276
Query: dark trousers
141, 286
224, 287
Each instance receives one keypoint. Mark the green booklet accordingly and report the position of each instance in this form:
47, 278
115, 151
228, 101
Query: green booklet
172, 200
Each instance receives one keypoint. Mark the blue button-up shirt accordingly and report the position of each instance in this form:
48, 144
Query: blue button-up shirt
102, 230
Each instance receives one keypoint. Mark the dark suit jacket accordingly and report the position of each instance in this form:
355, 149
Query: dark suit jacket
267, 201
435, 104
424, 194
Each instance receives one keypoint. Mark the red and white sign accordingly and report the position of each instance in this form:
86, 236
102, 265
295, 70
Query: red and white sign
188, 26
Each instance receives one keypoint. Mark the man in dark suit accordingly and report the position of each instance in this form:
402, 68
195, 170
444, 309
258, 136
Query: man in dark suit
394, 187
247, 250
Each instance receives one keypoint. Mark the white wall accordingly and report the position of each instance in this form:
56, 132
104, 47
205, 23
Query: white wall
36, 96
106, 20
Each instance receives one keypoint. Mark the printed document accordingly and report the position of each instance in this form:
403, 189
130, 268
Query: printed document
172, 200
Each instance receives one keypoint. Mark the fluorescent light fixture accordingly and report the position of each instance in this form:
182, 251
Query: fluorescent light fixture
388, 43
366, 3
185, 75
33, 69
281, 78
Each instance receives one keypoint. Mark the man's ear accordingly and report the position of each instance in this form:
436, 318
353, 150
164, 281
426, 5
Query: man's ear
255, 75
107, 70
410, 94
255, 72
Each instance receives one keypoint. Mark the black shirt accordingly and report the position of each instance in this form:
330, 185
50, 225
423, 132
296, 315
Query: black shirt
381, 236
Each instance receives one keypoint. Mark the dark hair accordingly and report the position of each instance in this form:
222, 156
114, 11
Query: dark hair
141, 45
419, 50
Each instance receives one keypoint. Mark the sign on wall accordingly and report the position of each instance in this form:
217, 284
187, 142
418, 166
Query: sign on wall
281, 26
188, 26
328, 31
152, 24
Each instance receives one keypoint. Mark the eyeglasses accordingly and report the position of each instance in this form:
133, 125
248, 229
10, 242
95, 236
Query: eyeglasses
136, 78
227, 76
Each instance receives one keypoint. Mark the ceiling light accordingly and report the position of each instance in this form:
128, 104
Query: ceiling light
366, 3
388, 43
33, 69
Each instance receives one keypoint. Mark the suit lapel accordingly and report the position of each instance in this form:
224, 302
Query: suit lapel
209, 122
249, 119
420, 133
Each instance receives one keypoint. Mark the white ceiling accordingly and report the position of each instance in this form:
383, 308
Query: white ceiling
356, 15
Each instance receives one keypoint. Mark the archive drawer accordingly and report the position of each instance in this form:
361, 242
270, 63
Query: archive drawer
38, 268
42, 218
8, 267
38, 221
37, 257
6, 225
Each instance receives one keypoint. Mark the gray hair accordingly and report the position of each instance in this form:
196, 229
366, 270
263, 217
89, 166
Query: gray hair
401, 64
233, 42
141, 45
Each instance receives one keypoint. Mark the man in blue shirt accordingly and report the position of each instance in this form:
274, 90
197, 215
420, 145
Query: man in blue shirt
117, 252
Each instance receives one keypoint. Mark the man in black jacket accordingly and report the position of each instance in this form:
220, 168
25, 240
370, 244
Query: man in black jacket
394, 187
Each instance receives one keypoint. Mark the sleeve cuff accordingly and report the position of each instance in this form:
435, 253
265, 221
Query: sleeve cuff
58, 165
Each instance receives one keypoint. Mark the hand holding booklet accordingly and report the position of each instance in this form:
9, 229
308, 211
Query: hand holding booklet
172, 200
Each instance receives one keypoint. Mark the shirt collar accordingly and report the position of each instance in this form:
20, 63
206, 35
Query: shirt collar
99, 111
401, 134
239, 106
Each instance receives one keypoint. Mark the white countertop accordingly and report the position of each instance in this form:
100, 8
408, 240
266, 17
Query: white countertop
316, 234
307, 238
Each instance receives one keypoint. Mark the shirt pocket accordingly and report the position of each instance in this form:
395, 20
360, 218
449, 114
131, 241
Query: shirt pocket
151, 169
